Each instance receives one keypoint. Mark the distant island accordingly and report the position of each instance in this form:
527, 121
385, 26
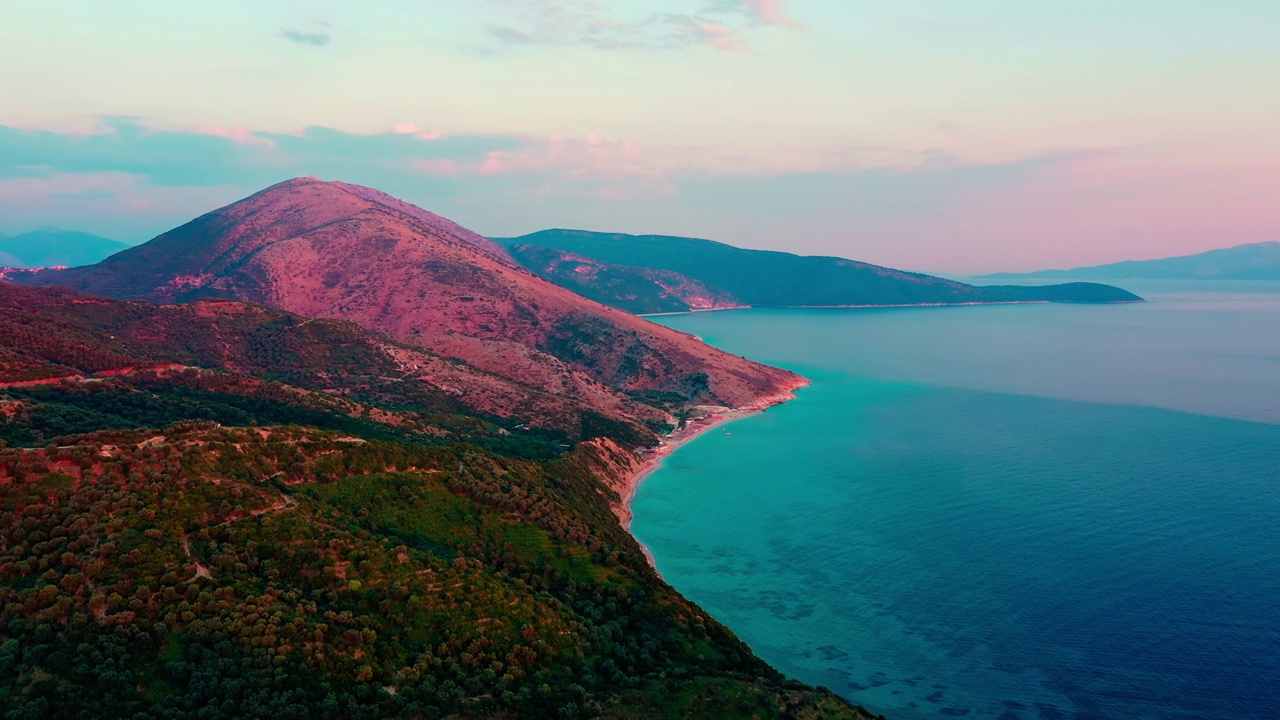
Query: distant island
1257, 261
659, 273
53, 247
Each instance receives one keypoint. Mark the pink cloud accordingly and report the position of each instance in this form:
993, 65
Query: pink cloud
718, 24
919, 209
498, 163
592, 156
720, 37
770, 12
411, 129
238, 133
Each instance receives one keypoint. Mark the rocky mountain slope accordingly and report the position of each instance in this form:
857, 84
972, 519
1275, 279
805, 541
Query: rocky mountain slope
339, 251
777, 279
55, 343
1258, 261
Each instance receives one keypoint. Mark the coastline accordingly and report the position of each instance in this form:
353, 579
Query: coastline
715, 418
856, 307
971, 303
690, 311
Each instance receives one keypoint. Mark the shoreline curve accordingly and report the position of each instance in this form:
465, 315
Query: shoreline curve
715, 417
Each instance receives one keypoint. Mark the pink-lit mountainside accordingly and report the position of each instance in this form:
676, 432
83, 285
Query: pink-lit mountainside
334, 250
323, 454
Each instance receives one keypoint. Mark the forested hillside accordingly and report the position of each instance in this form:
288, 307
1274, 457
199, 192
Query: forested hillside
292, 573
219, 510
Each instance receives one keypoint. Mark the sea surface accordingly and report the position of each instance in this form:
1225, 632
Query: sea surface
1021, 511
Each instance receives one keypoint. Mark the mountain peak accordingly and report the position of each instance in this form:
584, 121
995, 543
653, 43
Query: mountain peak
307, 184
308, 191
433, 220
297, 182
336, 250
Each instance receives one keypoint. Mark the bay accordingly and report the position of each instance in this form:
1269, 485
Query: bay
1031, 511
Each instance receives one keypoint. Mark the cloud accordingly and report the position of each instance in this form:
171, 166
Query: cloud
134, 180
90, 194
757, 12
319, 36
238, 133
720, 37
598, 26
411, 129
207, 155
556, 157
770, 12
924, 209
129, 179
126, 144
444, 164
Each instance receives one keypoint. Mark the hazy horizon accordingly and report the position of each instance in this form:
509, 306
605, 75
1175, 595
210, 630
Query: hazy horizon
967, 276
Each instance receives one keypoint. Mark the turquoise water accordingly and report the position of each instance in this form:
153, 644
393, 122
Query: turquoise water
998, 512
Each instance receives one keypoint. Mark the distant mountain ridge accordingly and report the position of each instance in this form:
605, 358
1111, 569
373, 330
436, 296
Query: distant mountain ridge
51, 246
764, 278
634, 289
1257, 261
334, 250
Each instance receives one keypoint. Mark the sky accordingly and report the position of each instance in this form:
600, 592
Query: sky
956, 136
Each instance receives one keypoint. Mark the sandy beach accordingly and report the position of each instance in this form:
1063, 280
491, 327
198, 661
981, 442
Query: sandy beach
714, 418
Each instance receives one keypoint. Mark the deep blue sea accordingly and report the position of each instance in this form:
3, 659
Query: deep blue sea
1025, 511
